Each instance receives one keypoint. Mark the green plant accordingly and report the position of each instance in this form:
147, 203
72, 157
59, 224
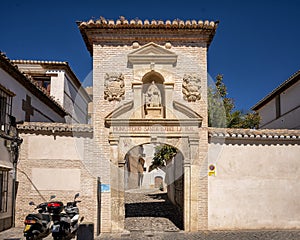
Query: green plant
162, 155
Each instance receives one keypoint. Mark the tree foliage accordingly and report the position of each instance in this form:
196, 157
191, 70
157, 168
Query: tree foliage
221, 111
163, 154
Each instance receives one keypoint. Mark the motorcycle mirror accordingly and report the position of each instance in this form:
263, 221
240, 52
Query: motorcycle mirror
52, 196
76, 196
31, 203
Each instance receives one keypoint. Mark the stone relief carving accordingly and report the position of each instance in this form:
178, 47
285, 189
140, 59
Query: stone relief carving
114, 86
191, 87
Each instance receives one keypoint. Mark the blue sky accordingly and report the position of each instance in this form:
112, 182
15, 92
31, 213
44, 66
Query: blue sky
256, 46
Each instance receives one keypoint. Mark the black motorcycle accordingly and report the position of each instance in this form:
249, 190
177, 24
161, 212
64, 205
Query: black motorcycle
37, 225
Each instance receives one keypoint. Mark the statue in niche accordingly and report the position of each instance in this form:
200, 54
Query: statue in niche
153, 96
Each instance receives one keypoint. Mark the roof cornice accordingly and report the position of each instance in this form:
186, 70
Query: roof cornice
29, 84
123, 31
57, 64
282, 87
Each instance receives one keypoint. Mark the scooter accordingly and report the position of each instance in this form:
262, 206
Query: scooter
37, 225
72, 211
65, 219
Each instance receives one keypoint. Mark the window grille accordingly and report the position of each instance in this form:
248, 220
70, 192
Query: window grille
5, 110
3, 190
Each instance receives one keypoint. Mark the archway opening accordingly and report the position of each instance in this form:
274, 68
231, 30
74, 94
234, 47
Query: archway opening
154, 194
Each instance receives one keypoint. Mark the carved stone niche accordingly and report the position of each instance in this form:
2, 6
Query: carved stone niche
114, 86
145, 60
153, 101
153, 95
191, 87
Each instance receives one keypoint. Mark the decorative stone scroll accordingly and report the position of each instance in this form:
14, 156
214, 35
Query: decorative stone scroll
114, 86
191, 87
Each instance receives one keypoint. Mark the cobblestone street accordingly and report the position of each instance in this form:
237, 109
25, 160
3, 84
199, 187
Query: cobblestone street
149, 215
16, 234
210, 235
150, 210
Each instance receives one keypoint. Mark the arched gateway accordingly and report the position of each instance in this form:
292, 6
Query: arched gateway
149, 86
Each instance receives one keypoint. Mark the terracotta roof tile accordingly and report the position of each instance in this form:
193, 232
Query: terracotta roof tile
137, 23
283, 134
55, 127
20, 61
123, 31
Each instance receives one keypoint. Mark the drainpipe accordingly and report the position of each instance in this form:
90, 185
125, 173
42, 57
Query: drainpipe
15, 152
16, 141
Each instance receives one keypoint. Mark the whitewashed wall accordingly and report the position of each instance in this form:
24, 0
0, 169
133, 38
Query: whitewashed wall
75, 102
70, 97
57, 87
267, 112
290, 98
10, 83
290, 110
256, 186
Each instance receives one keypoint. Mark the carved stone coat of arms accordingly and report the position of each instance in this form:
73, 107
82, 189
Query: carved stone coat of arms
191, 87
114, 86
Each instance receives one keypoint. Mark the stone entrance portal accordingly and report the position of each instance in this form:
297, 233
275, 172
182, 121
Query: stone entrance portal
154, 116
150, 87
125, 134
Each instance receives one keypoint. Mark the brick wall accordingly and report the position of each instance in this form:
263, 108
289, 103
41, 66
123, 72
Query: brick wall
40, 152
109, 59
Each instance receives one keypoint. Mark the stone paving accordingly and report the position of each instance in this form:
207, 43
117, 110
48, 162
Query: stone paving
16, 234
215, 235
149, 215
150, 210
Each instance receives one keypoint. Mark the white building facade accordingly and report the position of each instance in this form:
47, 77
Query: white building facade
58, 79
21, 100
281, 108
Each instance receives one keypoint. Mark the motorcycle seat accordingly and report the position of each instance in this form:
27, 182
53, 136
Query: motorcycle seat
35, 215
46, 217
